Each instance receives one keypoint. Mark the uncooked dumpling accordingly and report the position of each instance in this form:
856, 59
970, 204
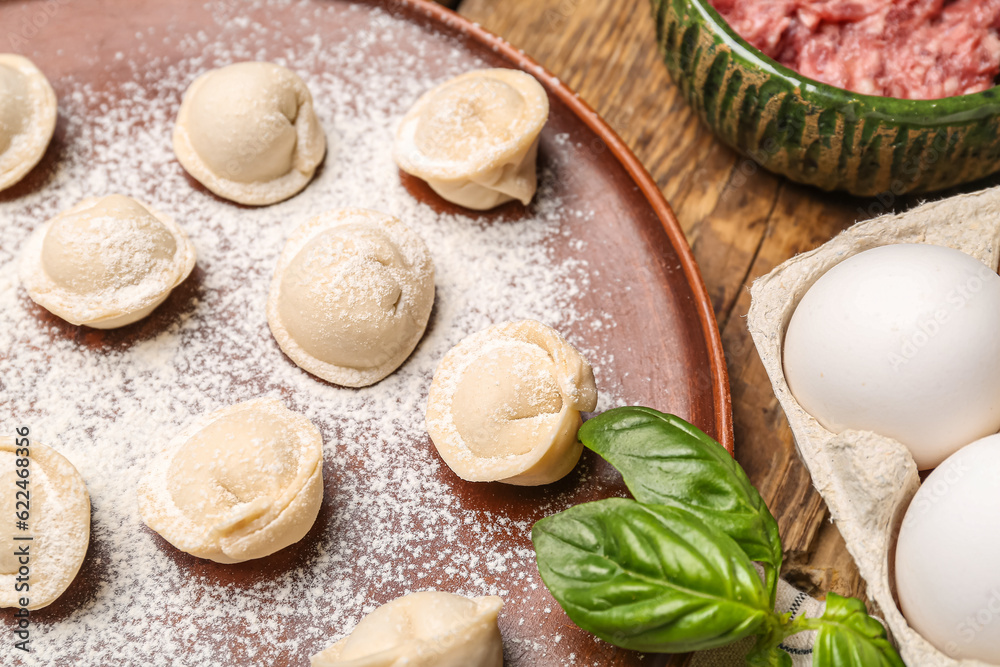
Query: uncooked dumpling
27, 117
474, 139
505, 403
58, 521
351, 296
248, 132
239, 483
430, 629
106, 262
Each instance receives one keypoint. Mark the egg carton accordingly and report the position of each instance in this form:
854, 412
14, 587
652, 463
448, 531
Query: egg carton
868, 480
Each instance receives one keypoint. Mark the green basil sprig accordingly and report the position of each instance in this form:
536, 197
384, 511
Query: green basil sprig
671, 571
667, 461
846, 635
650, 577
849, 636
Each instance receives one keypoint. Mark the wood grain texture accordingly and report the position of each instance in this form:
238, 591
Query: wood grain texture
740, 221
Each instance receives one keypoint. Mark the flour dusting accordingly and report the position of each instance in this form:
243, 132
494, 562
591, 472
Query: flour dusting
395, 519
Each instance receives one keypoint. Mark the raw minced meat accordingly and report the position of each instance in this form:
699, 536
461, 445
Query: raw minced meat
915, 49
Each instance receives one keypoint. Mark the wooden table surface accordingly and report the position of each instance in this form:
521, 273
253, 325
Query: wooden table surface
740, 221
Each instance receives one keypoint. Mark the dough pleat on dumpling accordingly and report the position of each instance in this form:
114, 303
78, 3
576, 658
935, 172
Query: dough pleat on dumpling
106, 262
351, 296
240, 483
474, 138
504, 405
58, 522
248, 132
428, 629
27, 117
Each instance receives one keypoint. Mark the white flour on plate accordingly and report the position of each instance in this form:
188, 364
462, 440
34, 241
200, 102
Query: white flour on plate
110, 408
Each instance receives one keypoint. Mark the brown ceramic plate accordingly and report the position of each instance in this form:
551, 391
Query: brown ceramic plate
664, 350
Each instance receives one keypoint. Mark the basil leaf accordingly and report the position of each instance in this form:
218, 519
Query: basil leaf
849, 636
773, 657
650, 578
667, 461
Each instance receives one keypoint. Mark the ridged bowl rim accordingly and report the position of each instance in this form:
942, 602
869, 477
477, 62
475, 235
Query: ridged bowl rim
958, 108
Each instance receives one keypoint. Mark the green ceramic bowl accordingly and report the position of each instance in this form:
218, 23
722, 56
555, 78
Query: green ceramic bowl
818, 134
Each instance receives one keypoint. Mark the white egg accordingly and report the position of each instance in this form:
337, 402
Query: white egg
948, 555
904, 341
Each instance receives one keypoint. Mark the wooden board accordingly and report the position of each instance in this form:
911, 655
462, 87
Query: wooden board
665, 347
740, 221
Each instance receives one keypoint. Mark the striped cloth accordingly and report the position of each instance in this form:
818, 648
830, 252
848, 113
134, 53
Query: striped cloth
798, 646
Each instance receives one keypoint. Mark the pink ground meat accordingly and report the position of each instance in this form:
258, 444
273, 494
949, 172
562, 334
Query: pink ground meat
916, 49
